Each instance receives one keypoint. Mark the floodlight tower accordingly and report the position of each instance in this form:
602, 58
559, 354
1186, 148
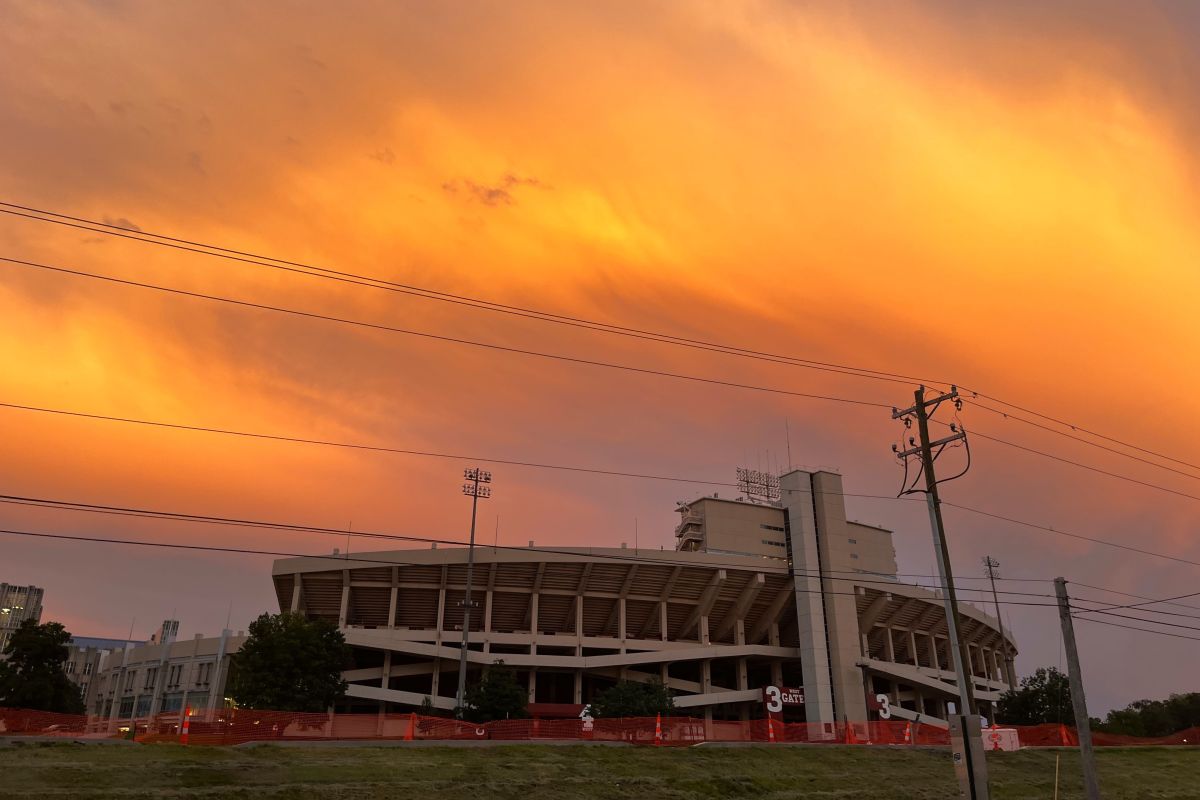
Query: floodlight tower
476, 487
991, 568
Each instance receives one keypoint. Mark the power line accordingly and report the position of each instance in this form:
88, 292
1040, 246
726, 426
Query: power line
857, 576
345, 559
1010, 416
441, 337
1081, 429
202, 248
1134, 628
512, 462
1134, 596
1081, 465
392, 450
1060, 532
552, 356
463, 300
1139, 619
1150, 601
68, 505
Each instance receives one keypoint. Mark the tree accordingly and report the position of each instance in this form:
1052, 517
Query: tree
633, 699
497, 696
1152, 718
290, 663
32, 676
1044, 696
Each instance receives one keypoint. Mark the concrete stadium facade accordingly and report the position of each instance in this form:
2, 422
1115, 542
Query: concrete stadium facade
785, 593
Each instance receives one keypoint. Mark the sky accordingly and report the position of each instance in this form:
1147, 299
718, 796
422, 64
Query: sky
998, 196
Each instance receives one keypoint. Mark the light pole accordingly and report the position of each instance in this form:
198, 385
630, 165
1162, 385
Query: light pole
991, 568
473, 489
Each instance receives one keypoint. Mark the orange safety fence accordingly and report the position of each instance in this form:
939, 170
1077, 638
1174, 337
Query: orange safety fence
234, 726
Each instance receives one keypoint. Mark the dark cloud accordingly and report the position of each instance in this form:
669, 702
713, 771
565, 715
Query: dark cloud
384, 156
121, 222
499, 193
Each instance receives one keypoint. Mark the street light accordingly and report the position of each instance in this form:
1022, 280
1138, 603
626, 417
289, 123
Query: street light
475, 488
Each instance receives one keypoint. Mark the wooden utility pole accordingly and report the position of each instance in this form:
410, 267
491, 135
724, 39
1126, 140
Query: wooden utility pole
1091, 783
971, 764
924, 448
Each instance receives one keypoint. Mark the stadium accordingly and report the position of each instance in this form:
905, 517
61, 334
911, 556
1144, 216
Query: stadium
779, 589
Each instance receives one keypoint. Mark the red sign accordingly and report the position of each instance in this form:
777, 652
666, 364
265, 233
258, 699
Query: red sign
776, 697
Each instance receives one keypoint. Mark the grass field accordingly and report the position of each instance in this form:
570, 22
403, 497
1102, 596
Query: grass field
573, 773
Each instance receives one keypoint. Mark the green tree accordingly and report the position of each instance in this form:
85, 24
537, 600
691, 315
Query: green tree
1044, 696
31, 676
497, 696
633, 699
1153, 718
290, 663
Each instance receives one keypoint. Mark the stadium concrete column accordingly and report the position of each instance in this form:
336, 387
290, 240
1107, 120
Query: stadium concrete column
706, 688
841, 606
796, 491
214, 695
393, 598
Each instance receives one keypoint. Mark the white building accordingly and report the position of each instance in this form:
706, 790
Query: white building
162, 676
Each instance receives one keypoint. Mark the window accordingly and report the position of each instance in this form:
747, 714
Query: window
126, 709
69, 668
854, 541
773, 543
87, 667
151, 677
143, 705
172, 702
767, 527
204, 674
174, 675
854, 556
129, 676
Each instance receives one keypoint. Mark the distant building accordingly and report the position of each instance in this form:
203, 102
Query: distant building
84, 654
17, 604
162, 676
784, 591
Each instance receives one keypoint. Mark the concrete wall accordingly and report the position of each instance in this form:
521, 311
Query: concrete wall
737, 527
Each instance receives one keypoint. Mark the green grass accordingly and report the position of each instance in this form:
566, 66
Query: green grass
573, 773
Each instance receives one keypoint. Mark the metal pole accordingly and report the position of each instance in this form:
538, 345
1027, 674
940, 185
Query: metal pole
992, 565
1087, 755
966, 691
462, 657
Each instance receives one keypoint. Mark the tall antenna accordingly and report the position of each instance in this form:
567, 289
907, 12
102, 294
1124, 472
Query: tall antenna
787, 435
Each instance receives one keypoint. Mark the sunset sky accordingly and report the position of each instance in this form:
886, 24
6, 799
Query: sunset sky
1000, 195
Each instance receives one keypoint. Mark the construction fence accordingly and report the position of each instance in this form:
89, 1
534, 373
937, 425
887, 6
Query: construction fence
235, 726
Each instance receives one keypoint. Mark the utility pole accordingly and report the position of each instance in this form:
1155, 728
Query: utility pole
1087, 756
472, 488
991, 568
966, 736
